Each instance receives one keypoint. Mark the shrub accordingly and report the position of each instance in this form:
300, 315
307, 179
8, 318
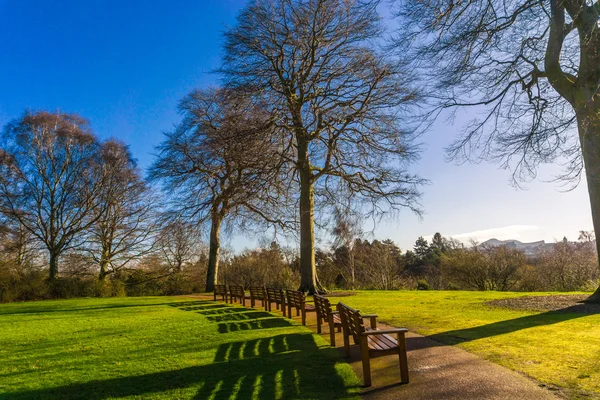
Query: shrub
422, 284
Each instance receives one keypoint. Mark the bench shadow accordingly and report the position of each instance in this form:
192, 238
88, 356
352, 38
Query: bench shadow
222, 310
265, 323
283, 366
512, 325
239, 316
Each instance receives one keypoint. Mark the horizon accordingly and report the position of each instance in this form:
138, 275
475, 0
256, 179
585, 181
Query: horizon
128, 80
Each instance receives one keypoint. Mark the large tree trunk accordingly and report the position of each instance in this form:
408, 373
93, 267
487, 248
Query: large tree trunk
308, 268
589, 136
53, 263
213, 252
308, 278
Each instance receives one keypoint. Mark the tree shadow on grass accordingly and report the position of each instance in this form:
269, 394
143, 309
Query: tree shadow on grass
28, 309
283, 366
511, 325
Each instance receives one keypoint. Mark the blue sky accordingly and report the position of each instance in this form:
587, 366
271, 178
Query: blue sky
125, 64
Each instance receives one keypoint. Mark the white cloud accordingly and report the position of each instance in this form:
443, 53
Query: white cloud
517, 232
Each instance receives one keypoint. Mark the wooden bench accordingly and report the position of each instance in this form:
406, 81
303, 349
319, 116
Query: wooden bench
220, 290
297, 300
258, 293
326, 313
237, 292
372, 342
276, 296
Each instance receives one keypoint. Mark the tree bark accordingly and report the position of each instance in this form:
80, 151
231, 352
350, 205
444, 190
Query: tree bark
213, 253
589, 136
103, 267
308, 278
352, 265
53, 263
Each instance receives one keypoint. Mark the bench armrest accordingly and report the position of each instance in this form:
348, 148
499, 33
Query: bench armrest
372, 318
384, 331
334, 313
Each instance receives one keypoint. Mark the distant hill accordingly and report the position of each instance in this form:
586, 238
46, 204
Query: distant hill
530, 249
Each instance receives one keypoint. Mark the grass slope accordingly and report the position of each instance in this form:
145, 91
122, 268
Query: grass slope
162, 348
560, 349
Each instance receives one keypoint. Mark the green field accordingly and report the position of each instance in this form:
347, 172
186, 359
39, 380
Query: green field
560, 349
179, 348
163, 348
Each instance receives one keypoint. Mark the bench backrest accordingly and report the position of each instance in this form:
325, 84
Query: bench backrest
274, 294
352, 321
236, 291
295, 298
258, 292
323, 306
221, 289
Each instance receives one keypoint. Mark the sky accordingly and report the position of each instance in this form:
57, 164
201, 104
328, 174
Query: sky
124, 65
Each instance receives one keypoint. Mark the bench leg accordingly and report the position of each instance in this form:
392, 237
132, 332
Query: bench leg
346, 337
402, 358
304, 317
331, 331
289, 309
252, 302
318, 324
366, 361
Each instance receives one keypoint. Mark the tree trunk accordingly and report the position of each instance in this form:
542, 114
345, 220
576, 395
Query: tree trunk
103, 272
213, 253
352, 266
53, 262
308, 278
589, 136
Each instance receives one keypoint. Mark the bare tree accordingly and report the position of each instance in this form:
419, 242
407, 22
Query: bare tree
179, 245
220, 162
531, 66
125, 222
51, 177
338, 98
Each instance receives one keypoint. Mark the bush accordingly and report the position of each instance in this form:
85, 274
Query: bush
422, 284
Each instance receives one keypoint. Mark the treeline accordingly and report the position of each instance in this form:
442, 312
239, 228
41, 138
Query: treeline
446, 264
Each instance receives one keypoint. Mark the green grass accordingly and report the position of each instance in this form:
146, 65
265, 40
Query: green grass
162, 348
560, 349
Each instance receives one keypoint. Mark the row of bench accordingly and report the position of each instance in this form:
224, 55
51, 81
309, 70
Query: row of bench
283, 299
372, 341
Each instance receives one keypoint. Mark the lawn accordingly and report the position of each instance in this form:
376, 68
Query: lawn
559, 349
163, 348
